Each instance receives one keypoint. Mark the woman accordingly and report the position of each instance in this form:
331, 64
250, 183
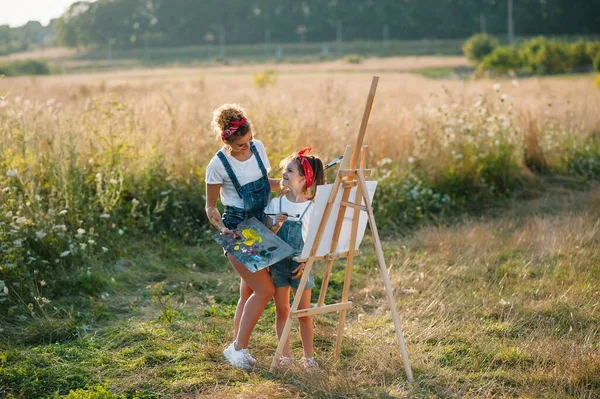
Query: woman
238, 174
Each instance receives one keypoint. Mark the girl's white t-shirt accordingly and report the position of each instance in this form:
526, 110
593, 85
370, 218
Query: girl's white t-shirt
246, 172
292, 208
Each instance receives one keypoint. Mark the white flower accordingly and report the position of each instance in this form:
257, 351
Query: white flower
504, 303
63, 212
21, 220
105, 216
104, 249
80, 231
63, 254
60, 227
113, 181
91, 242
121, 232
40, 234
98, 176
83, 245
135, 202
12, 173
411, 159
496, 87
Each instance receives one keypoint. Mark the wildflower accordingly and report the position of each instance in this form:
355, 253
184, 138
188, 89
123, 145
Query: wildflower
121, 232
40, 234
104, 249
504, 303
60, 227
135, 202
113, 181
43, 283
12, 173
411, 159
91, 242
65, 253
63, 212
83, 246
104, 216
80, 231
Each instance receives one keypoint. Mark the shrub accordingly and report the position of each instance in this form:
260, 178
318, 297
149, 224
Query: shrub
353, 59
541, 56
264, 79
592, 49
501, 61
579, 59
25, 67
478, 46
597, 62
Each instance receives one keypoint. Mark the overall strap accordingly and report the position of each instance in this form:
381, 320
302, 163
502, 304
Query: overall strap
229, 170
280, 206
304, 213
261, 165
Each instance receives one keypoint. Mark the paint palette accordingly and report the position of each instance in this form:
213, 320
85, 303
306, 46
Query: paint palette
257, 247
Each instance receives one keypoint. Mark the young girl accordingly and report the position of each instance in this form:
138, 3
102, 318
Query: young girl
301, 175
238, 175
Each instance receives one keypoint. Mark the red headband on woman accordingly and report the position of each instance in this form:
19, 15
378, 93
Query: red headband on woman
233, 127
309, 175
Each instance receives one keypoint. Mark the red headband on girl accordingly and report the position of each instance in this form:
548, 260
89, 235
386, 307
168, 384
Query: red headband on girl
309, 175
233, 127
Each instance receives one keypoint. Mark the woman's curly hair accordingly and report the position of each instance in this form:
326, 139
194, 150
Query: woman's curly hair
222, 118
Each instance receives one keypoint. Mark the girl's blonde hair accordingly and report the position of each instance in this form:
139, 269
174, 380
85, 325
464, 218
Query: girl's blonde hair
318, 171
222, 118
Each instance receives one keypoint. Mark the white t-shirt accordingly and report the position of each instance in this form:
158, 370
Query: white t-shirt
246, 172
292, 208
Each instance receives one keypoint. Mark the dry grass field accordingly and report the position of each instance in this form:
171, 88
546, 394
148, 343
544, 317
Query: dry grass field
501, 302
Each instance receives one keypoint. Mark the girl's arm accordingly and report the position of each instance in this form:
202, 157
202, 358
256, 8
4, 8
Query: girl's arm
212, 193
279, 219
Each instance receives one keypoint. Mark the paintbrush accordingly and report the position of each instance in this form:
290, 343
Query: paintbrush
285, 213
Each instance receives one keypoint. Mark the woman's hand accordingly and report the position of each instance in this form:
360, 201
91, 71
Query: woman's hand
225, 230
297, 272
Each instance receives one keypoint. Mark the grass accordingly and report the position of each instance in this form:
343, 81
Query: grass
111, 285
505, 305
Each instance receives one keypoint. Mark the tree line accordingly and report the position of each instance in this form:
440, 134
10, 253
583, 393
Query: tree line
133, 23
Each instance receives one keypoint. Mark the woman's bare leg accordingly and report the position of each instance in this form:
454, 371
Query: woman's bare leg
262, 285
245, 292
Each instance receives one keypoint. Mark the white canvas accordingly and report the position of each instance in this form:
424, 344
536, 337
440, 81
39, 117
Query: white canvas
321, 198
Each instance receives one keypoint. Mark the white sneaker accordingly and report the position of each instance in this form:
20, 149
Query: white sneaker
285, 361
237, 358
249, 357
310, 363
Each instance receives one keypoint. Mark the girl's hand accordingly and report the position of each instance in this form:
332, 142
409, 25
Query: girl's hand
298, 271
280, 218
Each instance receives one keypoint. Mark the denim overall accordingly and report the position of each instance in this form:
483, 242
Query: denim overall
254, 194
281, 272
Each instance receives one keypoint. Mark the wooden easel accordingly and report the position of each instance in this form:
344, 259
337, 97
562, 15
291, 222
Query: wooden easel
348, 177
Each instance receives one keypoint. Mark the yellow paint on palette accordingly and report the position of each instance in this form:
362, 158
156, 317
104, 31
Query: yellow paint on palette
237, 248
251, 237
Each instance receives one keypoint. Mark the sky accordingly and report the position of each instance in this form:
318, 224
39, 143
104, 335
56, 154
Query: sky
19, 12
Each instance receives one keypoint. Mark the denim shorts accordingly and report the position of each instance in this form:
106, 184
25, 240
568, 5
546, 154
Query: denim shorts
281, 273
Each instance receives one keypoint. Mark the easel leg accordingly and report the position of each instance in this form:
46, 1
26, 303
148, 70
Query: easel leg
348, 274
386, 277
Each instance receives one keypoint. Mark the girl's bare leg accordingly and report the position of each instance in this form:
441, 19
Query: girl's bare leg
306, 325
